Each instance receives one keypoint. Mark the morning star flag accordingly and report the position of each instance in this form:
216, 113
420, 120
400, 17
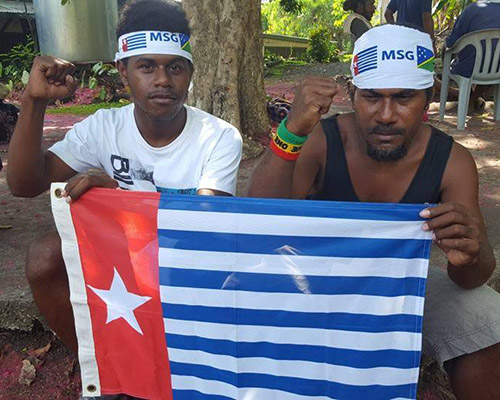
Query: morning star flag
199, 297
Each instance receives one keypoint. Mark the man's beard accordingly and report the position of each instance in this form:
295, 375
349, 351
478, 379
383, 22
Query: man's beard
386, 154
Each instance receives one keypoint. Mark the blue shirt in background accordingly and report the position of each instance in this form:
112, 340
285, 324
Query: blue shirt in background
475, 17
410, 11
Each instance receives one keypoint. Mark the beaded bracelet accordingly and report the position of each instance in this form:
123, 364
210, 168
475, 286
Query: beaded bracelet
286, 144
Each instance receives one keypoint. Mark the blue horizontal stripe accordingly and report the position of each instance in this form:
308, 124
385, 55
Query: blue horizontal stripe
281, 283
135, 44
368, 56
137, 35
368, 50
137, 39
305, 387
367, 60
367, 69
317, 320
371, 50
309, 208
135, 47
370, 63
195, 395
319, 354
300, 245
361, 70
367, 66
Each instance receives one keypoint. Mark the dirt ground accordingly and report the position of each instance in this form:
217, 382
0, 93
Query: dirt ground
55, 374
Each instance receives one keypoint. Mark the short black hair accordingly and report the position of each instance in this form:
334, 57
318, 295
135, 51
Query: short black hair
352, 5
152, 15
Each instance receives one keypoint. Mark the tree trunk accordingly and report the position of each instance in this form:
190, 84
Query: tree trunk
228, 62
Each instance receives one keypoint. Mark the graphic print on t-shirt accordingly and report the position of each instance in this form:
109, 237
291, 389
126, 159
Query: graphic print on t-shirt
133, 172
141, 172
141, 176
121, 167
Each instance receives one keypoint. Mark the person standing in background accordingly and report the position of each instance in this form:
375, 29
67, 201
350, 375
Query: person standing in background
476, 17
359, 21
414, 12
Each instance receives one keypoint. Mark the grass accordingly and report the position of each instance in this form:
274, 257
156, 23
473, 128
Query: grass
85, 109
277, 71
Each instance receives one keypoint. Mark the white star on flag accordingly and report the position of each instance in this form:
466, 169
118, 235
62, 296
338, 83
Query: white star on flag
120, 303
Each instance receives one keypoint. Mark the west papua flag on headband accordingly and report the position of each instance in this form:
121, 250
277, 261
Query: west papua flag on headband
199, 297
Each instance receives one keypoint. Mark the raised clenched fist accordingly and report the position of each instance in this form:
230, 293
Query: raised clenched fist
51, 79
313, 99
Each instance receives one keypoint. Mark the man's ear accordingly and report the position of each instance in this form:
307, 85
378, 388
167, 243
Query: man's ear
191, 70
191, 73
431, 97
122, 69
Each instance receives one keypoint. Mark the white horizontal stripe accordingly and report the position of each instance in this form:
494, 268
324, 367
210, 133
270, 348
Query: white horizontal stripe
181, 382
224, 389
299, 302
298, 369
290, 264
257, 224
362, 341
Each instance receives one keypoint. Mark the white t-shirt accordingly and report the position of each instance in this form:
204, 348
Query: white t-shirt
206, 154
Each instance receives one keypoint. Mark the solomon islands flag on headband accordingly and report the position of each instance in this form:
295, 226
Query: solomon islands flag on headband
198, 297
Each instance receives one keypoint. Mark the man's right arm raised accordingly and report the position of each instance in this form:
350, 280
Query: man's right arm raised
276, 176
31, 169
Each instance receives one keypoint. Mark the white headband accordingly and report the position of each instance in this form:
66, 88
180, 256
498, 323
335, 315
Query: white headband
154, 42
393, 57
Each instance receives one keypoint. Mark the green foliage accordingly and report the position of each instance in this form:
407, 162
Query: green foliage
446, 12
103, 71
321, 48
85, 109
272, 58
313, 15
101, 68
291, 6
16, 64
283, 68
450, 6
318, 19
105, 75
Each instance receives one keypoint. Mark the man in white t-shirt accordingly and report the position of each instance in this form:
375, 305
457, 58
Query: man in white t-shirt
157, 143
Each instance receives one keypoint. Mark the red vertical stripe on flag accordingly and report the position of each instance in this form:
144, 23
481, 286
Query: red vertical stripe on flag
118, 234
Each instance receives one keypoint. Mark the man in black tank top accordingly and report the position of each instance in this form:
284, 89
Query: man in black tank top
383, 152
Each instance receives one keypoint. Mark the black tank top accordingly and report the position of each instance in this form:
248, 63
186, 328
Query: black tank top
424, 188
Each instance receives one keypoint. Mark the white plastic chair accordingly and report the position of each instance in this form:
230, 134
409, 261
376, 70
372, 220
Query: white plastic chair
485, 72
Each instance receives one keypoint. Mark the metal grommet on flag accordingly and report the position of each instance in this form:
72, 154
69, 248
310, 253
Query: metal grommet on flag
58, 193
91, 388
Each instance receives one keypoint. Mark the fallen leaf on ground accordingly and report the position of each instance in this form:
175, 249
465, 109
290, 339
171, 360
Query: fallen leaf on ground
41, 351
28, 373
